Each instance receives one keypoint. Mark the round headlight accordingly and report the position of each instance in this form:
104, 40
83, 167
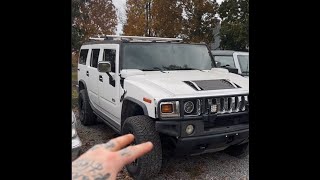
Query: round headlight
189, 129
188, 107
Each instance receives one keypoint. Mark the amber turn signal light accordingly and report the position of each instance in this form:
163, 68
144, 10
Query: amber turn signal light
166, 108
147, 100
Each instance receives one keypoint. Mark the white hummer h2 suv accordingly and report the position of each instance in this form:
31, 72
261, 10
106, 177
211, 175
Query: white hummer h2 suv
164, 91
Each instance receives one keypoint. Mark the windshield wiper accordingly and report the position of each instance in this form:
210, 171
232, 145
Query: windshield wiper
185, 69
245, 73
225, 66
153, 69
188, 69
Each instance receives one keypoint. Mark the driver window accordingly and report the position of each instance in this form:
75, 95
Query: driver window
110, 55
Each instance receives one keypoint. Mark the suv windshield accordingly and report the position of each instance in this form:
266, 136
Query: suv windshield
165, 56
225, 61
244, 63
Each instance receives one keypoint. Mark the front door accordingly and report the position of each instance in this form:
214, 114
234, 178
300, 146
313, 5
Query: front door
108, 83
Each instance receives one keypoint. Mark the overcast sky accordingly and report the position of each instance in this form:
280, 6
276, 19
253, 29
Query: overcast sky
120, 5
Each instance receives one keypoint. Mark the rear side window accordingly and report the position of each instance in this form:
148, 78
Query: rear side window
110, 55
83, 56
94, 57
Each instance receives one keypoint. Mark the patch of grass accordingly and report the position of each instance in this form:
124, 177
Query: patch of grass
74, 76
74, 89
74, 97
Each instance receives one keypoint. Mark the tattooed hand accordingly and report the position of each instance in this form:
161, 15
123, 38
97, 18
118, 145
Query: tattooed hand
104, 161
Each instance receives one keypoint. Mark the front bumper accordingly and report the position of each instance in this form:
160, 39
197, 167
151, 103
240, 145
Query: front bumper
205, 138
211, 143
76, 147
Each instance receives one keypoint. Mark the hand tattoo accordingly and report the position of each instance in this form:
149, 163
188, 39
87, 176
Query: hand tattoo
93, 169
125, 152
104, 177
95, 147
109, 145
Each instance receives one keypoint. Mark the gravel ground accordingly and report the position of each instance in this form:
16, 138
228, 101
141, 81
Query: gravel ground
213, 166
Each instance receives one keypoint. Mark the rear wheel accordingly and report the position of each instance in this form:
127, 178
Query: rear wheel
85, 111
143, 129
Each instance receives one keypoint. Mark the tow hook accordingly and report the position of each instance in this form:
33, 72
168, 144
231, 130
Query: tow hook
230, 138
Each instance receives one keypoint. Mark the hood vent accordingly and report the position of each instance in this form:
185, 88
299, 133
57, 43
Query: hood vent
193, 85
211, 85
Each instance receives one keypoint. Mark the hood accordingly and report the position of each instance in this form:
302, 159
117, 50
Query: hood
191, 82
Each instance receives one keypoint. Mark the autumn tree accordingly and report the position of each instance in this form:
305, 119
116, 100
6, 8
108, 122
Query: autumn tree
166, 18
153, 18
98, 18
199, 20
234, 31
77, 33
136, 18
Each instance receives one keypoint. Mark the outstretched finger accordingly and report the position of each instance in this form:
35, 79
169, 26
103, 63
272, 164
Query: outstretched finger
129, 154
119, 142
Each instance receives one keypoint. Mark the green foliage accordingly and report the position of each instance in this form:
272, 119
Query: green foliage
200, 20
76, 34
234, 31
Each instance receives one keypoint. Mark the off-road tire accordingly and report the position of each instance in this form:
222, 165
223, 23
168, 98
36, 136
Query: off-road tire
86, 115
143, 128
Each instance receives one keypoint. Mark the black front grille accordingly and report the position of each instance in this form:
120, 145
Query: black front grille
225, 105
227, 121
226, 111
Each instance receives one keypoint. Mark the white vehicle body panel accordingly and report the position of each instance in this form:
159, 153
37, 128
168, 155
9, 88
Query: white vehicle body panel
157, 85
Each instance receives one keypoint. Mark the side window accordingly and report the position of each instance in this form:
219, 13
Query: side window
83, 56
110, 55
94, 57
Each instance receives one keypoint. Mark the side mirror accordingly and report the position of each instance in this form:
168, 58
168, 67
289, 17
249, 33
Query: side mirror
218, 64
104, 66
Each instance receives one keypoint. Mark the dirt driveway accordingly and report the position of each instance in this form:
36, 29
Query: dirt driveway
214, 166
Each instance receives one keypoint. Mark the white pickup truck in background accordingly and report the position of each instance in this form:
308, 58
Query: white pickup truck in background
235, 61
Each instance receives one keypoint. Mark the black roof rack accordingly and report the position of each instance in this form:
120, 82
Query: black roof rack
135, 39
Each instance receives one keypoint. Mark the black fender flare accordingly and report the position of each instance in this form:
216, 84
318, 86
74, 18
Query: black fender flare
143, 106
84, 83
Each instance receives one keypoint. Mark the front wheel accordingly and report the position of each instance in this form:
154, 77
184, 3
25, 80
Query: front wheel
143, 129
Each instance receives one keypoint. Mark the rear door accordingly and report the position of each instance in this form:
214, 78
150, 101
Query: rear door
92, 76
84, 58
